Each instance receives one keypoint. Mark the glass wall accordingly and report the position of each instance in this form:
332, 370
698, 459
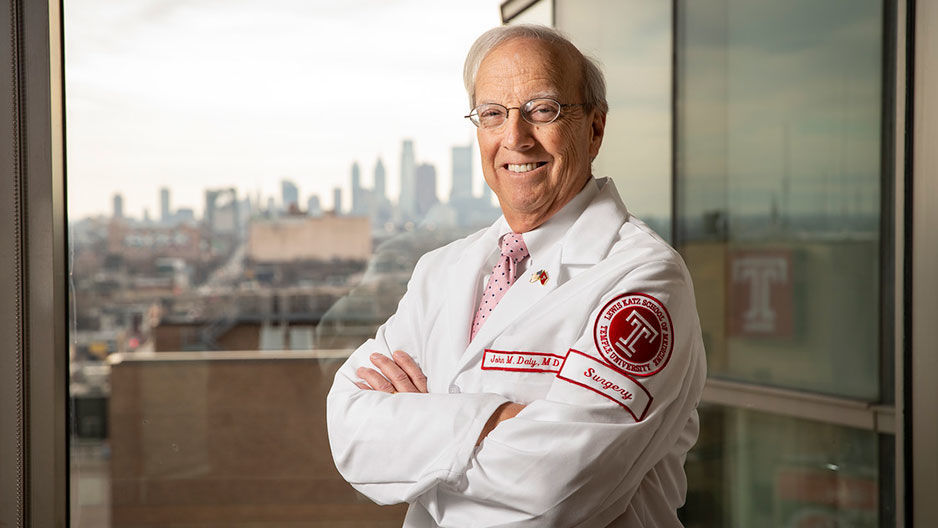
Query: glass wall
778, 116
634, 47
778, 145
250, 186
247, 203
777, 112
758, 469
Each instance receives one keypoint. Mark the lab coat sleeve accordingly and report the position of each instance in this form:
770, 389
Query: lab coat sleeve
575, 458
393, 447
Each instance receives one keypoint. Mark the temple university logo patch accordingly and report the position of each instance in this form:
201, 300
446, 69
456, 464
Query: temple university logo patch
634, 333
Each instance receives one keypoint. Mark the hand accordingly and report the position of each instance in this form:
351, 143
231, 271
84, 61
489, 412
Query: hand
400, 374
504, 412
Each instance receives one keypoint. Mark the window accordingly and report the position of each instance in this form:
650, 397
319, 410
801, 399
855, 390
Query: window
779, 172
249, 191
778, 181
778, 213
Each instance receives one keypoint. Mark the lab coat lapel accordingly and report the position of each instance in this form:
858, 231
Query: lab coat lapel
462, 291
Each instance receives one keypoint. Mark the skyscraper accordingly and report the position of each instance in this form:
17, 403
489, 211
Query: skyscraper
462, 173
313, 207
426, 188
222, 212
118, 205
358, 195
408, 199
337, 201
380, 183
165, 213
290, 195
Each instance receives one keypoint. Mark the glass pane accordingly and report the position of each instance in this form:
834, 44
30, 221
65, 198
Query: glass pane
778, 188
250, 185
632, 40
756, 469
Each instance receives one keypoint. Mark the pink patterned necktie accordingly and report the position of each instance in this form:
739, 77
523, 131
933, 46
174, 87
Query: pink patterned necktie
503, 275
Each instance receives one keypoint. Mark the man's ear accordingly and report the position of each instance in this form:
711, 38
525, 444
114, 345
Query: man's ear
597, 129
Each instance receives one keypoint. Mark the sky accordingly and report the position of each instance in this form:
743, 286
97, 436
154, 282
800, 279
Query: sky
196, 94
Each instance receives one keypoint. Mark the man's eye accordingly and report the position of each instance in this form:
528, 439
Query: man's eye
491, 113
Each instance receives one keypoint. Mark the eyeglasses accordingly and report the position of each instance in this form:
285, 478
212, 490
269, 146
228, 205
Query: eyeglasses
535, 111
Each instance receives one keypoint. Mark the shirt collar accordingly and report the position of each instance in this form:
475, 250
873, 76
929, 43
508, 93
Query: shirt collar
540, 239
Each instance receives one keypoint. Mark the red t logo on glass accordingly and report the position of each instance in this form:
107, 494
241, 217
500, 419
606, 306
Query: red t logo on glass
760, 293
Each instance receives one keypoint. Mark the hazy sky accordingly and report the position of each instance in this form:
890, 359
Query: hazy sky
198, 94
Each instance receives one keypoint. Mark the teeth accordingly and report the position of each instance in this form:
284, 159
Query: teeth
524, 167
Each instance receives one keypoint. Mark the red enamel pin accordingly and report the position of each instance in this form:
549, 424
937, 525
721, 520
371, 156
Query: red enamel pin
539, 276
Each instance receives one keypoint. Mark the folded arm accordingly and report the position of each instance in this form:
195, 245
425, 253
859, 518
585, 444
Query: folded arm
400, 373
394, 446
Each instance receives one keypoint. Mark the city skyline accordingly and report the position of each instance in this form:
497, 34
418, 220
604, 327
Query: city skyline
356, 196
207, 95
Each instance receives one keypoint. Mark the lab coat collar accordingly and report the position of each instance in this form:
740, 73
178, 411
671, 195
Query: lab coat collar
541, 239
590, 238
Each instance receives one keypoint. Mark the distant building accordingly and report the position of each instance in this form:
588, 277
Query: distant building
290, 196
408, 197
313, 207
426, 188
380, 191
184, 215
462, 173
118, 206
165, 211
337, 201
359, 198
247, 209
297, 238
145, 244
222, 211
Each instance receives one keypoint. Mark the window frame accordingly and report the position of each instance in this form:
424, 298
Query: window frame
921, 255
33, 418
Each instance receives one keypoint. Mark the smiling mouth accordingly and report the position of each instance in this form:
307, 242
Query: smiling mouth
524, 167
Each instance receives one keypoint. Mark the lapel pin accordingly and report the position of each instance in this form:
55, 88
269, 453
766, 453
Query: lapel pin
539, 276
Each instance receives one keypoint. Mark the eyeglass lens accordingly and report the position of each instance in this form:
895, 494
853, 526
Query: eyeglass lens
535, 111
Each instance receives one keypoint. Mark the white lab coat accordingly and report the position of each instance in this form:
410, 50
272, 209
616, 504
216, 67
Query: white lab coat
572, 457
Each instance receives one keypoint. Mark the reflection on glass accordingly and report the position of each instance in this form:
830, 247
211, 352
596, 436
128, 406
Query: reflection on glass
755, 469
778, 187
632, 41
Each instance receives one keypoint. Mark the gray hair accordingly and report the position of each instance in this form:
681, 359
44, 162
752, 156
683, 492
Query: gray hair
594, 83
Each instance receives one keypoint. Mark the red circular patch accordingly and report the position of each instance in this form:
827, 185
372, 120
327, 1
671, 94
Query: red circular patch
634, 332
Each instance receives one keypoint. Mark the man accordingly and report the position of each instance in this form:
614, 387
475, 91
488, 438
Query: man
544, 371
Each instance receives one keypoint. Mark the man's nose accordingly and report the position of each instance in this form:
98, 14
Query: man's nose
517, 132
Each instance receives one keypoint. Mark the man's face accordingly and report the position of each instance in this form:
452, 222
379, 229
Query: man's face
535, 169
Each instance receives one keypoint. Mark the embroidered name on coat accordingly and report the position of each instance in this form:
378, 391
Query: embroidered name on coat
515, 361
591, 373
